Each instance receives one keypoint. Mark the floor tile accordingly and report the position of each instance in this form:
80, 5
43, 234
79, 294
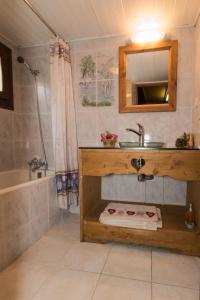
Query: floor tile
21, 281
70, 285
130, 262
115, 288
66, 229
87, 257
174, 269
69, 218
48, 250
163, 292
59, 267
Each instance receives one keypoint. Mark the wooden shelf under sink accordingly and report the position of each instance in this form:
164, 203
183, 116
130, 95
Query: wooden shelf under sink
173, 235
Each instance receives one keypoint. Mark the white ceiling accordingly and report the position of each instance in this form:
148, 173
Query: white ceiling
82, 19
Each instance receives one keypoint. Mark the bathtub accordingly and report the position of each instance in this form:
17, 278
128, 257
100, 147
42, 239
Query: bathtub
12, 179
27, 210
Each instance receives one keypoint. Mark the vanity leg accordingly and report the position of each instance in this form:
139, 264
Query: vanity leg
90, 198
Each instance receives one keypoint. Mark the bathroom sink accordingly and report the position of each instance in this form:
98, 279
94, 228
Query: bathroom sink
147, 144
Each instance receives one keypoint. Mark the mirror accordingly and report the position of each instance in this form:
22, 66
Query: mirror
148, 77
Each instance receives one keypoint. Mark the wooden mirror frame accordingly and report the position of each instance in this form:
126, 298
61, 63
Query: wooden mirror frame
172, 46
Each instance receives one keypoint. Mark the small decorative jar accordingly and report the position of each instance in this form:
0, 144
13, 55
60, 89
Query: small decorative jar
185, 141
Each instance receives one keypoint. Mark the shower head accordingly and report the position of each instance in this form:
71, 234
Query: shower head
21, 60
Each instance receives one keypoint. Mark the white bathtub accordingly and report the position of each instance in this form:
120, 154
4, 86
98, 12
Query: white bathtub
17, 177
27, 210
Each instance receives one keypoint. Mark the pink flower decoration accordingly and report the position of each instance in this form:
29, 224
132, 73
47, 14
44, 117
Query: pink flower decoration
108, 136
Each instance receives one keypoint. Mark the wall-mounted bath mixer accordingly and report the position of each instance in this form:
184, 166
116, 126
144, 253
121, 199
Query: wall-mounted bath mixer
37, 164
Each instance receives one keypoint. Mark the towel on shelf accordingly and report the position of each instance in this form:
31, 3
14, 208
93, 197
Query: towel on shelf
132, 216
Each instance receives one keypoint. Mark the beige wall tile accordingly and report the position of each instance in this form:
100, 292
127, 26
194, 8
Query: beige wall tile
38, 227
16, 242
39, 199
16, 208
154, 190
174, 191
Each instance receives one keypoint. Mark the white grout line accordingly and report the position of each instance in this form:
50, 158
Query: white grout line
92, 297
108, 254
125, 278
100, 275
175, 285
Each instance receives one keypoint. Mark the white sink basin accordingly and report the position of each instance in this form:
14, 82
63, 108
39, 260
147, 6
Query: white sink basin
147, 144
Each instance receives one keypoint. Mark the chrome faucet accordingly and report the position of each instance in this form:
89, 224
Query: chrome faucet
37, 164
140, 133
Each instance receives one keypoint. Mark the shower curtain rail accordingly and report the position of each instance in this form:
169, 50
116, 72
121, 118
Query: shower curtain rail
40, 17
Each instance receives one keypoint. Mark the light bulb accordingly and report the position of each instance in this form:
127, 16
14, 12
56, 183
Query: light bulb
149, 35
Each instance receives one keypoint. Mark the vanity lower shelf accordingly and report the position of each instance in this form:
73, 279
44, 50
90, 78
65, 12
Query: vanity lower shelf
174, 235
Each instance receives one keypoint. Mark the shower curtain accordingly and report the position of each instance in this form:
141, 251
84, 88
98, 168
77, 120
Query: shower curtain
64, 124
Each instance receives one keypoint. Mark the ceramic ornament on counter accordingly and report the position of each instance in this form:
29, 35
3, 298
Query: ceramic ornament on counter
185, 141
109, 139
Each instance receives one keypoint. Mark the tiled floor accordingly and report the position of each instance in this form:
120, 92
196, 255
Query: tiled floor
59, 267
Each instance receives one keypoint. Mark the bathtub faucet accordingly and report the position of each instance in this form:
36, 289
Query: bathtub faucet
37, 164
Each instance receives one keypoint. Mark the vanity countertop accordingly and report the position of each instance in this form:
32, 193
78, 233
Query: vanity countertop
140, 148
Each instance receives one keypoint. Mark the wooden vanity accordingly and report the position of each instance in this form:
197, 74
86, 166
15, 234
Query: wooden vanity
178, 164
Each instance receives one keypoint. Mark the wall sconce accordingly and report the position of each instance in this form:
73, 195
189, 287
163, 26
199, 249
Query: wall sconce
149, 35
148, 30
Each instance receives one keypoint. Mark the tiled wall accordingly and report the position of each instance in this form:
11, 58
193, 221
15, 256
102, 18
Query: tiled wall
19, 129
164, 126
196, 105
26, 214
27, 137
161, 190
